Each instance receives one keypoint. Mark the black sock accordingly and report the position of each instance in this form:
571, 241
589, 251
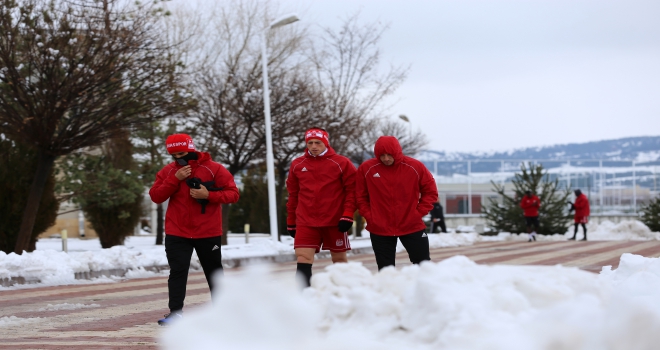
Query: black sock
304, 270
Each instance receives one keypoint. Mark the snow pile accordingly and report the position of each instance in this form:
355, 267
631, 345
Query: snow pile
628, 230
263, 247
452, 304
251, 312
444, 240
56, 267
67, 306
625, 230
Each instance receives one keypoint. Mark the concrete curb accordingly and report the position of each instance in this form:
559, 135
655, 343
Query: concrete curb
227, 263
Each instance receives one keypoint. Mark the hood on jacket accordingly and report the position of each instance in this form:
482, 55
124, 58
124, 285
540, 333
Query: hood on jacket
388, 145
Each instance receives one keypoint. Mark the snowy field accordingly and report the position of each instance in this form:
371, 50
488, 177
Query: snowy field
50, 266
452, 304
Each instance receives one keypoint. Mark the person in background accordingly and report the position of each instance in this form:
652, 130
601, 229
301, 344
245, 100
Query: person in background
394, 193
196, 186
530, 204
321, 186
438, 218
582, 211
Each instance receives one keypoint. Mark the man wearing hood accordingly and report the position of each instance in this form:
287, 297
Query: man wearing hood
196, 186
530, 205
394, 192
321, 186
581, 207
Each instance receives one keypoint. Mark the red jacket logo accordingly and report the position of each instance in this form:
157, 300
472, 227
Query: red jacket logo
314, 134
177, 144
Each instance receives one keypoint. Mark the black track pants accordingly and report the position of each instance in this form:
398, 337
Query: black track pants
179, 251
416, 244
440, 224
584, 227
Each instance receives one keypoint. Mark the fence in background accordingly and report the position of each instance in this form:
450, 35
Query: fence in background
612, 186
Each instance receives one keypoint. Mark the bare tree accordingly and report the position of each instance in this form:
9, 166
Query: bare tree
299, 105
411, 143
229, 119
346, 63
76, 73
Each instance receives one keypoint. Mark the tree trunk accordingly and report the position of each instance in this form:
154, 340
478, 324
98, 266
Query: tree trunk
225, 223
160, 221
109, 240
44, 166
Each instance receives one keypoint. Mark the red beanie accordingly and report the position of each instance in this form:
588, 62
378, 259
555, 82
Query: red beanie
179, 143
318, 134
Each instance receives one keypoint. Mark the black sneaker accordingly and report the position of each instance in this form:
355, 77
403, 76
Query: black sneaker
572, 238
171, 317
584, 239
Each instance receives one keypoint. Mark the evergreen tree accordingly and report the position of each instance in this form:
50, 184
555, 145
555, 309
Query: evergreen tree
149, 148
16, 174
507, 216
76, 73
253, 207
109, 189
651, 215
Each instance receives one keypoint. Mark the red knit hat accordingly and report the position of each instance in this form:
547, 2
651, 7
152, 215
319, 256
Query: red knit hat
319, 134
179, 143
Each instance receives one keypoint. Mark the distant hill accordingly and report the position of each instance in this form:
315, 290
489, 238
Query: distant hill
644, 150
586, 159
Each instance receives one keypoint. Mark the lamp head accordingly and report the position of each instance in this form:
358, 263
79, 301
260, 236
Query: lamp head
288, 19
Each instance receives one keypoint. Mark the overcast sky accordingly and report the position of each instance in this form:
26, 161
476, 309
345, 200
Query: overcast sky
503, 74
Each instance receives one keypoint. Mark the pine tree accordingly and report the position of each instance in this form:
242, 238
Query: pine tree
149, 149
108, 188
507, 216
651, 215
253, 204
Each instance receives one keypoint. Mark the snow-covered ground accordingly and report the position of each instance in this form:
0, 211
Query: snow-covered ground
50, 266
452, 304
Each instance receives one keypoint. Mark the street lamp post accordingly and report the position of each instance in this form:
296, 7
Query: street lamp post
270, 162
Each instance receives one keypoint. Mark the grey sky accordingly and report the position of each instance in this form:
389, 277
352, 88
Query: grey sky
502, 74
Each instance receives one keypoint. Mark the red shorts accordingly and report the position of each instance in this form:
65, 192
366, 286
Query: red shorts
581, 219
326, 238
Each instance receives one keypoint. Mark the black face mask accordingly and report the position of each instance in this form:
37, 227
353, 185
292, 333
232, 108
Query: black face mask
183, 161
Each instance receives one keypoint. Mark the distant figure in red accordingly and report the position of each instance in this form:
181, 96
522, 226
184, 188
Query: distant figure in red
530, 204
581, 207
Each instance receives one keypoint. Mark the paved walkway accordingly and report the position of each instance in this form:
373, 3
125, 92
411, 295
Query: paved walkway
122, 315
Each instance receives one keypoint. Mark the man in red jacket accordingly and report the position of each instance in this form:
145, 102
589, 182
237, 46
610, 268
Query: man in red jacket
530, 204
196, 187
581, 207
394, 192
321, 186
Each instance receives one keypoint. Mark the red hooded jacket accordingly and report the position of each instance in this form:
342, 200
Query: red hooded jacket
321, 189
184, 216
394, 198
581, 206
530, 206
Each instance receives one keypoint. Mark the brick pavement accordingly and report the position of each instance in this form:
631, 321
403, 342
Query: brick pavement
122, 315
